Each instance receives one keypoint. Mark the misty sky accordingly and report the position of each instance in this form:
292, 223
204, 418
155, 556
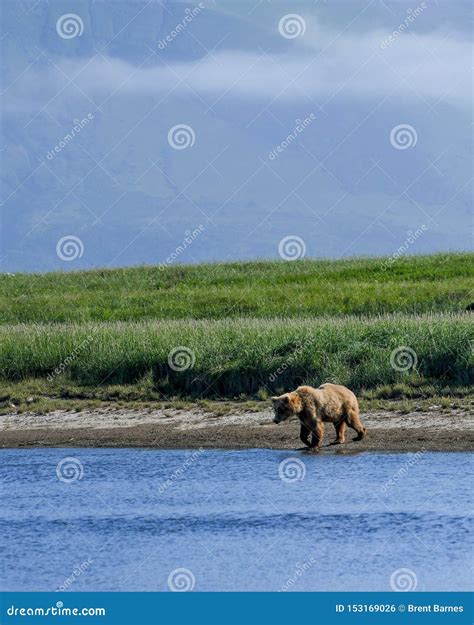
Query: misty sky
157, 132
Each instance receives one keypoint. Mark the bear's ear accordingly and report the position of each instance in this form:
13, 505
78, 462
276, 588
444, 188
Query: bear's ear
295, 402
282, 399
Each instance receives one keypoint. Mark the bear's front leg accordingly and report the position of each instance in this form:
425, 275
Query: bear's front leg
317, 434
304, 435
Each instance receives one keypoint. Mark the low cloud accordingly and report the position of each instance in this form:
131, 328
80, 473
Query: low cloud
321, 65
417, 65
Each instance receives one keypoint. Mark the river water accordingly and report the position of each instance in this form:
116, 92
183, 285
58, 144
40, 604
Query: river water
136, 519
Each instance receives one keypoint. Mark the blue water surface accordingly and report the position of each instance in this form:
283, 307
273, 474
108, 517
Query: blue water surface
131, 519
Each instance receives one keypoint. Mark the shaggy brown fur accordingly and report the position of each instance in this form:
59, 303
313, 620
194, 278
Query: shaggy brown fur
314, 406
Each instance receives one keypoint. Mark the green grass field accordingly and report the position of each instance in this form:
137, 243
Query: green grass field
439, 283
246, 329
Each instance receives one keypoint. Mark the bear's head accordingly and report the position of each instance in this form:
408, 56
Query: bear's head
285, 406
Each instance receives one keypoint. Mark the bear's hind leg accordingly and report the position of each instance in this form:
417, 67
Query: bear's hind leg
354, 422
340, 432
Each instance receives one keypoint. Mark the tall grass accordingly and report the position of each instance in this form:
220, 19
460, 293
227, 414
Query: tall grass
438, 283
245, 356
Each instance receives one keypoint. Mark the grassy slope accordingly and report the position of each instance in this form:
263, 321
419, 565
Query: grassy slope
149, 311
443, 282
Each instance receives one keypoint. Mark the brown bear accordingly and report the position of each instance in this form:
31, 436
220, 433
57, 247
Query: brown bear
314, 406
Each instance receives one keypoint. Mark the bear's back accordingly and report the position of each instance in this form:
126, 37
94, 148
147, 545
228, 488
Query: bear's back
344, 394
328, 393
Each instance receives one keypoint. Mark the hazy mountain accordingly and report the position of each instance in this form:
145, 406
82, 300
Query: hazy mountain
291, 130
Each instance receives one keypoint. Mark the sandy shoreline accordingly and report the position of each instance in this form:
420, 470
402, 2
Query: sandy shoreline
172, 429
